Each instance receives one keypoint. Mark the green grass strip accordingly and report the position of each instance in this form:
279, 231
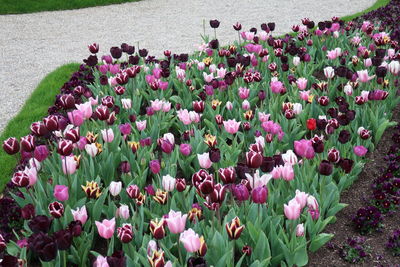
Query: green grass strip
378, 4
34, 109
32, 6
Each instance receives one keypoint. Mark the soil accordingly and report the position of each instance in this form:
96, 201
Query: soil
357, 196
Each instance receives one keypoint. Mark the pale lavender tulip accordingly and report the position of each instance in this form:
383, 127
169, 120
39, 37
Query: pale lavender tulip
176, 222
363, 76
292, 210
168, 183
108, 135
122, 212
204, 160
190, 240
80, 214
301, 198
86, 109
115, 188
184, 117
69, 164
300, 230
301, 83
141, 125
231, 126
76, 117
106, 228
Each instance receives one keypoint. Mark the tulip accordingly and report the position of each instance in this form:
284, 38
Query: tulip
65, 147
204, 160
106, 228
93, 48
76, 117
256, 180
20, 179
234, 228
61, 192
259, 194
360, 151
124, 233
176, 222
277, 87
80, 214
43, 246
363, 76
185, 149
100, 262
180, 185
231, 126
312, 203
168, 183
287, 172
229, 105
156, 258
161, 197
115, 188
394, 67
254, 159
157, 229
329, 72
69, 164
301, 83
108, 135
301, 198
133, 191
91, 149
304, 148
141, 125
126, 103
190, 240
56, 209
203, 181
227, 175
240, 192
85, 109
67, 101
102, 112
333, 155
292, 210
325, 168
184, 116
11, 146
28, 211
300, 230
155, 166
122, 212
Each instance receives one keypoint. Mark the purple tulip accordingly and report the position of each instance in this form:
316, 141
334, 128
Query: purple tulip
360, 151
41, 153
240, 192
259, 195
155, 166
125, 128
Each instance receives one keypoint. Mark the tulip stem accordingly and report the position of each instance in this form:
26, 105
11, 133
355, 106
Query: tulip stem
233, 252
179, 251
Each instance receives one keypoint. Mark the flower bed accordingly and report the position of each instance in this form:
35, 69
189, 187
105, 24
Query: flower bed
234, 155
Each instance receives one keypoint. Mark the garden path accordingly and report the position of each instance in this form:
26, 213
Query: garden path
32, 45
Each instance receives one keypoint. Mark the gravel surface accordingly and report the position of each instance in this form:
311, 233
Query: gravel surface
33, 45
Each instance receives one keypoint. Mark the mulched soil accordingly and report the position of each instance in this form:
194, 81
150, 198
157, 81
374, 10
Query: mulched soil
356, 196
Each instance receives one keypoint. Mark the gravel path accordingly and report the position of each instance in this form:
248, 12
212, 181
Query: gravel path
33, 45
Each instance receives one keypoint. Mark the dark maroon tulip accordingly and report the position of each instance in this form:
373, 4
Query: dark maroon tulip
215, 155
102, 113
150, 190
56, 209
364, 134
103, 80
317, 144
196, 262
214, 44
116, 52
75, 227
93, 48
218, 194
11, 146
240, 192
72, 135
333, 155
166, 146
256, 148
333, 112
203, 181
67, 101
241, 170
40, 223
237, 26
65, 147
214, 23
117, 259
133, 191
227, 175
180, 184
198, 106
247, 250
41, 152
155, 166
254, 159
346, 165
119, 90
28, 143
143, 52
145, 142
51, 122
129, 49
9, 260
122, 78
134, 60
124, 167
259, 195
325, 168
63, 239
20, 179
43, 246
28, 211
323, 100
268, 164
261, 95
271, 26
108, 101
124, 233
91, 61
39, 129
344, 136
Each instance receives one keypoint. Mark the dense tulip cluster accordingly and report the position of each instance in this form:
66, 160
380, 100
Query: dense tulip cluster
260, 136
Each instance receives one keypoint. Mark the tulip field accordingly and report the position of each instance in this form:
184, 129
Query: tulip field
233, 155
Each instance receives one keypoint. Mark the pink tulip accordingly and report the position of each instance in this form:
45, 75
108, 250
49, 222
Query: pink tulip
185, 149
363, 76
176, 222
126, 103
194, 116
108, 135
106, 228
208, 77
301, 83
114, 69
86, 109
304, 148
292, 210
263, 117
41, 152
204, 160
32, 175
277, 87
287, 172
125, 128
82, 143
168, 183
157, 104
61, 192
76, 117
80, 214
304, 95
312, 203
103, 69
231, 126
244, 92
229, 105
166, 106
300, 230
69, 164
301, 198
184, 117
94, 101
190, 240
367, 62
360, 151
101, 262
141, 125
123, 212
276, 172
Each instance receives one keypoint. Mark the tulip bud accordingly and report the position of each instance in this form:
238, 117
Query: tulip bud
300, 230
247, 250
93, 48
11, 146
234, 228
56, 209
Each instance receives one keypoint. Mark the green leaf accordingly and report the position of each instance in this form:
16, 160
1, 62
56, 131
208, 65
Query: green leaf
319, 241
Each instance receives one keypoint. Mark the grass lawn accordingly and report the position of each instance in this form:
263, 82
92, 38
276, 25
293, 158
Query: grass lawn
31, 6
35, 109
